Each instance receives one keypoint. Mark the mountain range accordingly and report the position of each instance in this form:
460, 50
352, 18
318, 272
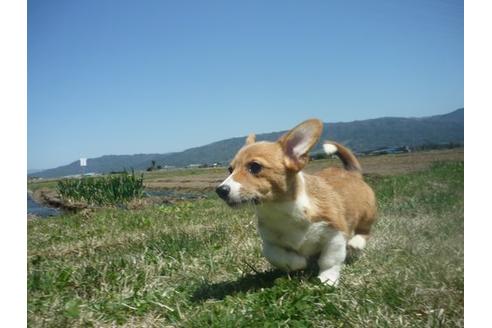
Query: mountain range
360, 136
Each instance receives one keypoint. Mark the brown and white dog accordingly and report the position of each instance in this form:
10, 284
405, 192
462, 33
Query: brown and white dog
302, 215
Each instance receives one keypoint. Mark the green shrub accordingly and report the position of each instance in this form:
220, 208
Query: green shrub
108, 190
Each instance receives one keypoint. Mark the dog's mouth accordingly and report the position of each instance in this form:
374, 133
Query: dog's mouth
242, 202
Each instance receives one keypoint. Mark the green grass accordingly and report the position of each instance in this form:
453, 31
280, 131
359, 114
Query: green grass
107, 190
35, 185
198, 264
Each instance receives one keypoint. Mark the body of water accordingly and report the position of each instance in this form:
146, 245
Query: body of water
40, 210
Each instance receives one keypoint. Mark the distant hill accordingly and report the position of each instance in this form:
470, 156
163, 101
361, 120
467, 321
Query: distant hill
358, 135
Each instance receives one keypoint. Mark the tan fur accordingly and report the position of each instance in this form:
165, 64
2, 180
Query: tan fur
301, 215
271, 184
340, 197
354, 198
251, 139
349, 160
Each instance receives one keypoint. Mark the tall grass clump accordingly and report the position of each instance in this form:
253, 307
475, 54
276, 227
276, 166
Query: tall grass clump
108, 190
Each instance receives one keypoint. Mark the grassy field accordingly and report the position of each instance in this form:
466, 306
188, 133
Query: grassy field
198, 264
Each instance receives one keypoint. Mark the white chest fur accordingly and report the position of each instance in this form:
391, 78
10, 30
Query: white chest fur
285, 225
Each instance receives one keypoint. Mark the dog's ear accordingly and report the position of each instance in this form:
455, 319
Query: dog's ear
298, 142
250, 139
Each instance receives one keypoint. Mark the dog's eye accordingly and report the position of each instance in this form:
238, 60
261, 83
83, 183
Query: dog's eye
254, 167
230, 169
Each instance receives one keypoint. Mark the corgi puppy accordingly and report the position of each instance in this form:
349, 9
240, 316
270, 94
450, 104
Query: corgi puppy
302, 215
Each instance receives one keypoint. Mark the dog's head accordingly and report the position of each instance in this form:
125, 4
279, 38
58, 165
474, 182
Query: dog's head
264, 171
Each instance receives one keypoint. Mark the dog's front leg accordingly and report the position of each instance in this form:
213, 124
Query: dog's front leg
331, 259
282, 258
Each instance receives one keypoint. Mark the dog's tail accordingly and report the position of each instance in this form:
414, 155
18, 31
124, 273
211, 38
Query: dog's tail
350, 162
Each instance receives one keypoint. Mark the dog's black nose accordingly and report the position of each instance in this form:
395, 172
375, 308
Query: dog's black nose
223, 191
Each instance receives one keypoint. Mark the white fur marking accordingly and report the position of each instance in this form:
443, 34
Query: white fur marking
289, 238
357, 242
282, 258
285, 224
330, 148
235, 187
331, 259
331, 276
302, 200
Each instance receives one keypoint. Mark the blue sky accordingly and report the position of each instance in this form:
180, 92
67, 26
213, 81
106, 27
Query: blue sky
124, 77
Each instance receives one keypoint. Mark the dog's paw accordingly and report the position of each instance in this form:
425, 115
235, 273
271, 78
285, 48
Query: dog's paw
330, 277
297, 263
357, 242
294, 263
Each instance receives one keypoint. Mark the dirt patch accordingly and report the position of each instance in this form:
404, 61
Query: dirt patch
51, 198
203, 182
396, 164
